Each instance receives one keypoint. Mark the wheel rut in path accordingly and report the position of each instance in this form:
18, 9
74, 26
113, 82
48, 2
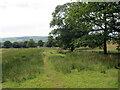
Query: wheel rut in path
53, 76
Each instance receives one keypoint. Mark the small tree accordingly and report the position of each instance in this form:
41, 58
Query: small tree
40, 43
21, 44
51, 42
25, 44
16, 45
7, 44
0, 45
31, 43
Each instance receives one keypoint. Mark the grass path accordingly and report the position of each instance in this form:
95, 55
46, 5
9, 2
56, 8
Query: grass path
49, 79
54, 77
75, 79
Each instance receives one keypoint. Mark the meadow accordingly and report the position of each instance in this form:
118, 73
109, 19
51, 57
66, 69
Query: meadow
56, 68
21, 64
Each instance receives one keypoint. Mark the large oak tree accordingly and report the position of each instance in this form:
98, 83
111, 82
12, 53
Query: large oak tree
89, 24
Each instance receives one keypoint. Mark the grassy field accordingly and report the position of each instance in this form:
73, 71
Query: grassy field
21, 64
56, 68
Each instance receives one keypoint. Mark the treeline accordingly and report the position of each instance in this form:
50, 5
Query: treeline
90, 24
26, 44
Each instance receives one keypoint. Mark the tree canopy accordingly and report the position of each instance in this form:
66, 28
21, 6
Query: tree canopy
31, 43
86, 24
40, 43
7, 44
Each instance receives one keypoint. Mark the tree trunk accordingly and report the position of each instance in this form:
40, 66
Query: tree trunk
105, 36
105, 46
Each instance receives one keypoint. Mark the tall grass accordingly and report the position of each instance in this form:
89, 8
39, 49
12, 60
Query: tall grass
21, 64
84, 61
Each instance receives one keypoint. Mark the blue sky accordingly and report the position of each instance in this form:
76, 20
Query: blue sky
26, 17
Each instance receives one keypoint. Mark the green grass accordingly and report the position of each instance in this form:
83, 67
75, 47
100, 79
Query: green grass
84, 61
21, 64
56, 68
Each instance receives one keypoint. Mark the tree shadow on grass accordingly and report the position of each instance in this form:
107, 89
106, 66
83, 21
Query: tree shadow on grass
82, 49
98, 51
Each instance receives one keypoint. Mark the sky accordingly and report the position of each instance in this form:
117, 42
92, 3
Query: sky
26, 17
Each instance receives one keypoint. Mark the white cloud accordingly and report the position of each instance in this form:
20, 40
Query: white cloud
26, 17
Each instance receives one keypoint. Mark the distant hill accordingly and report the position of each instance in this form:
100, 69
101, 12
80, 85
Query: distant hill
24, 38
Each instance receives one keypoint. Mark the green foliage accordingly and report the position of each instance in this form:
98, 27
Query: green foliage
0, 45
25, 44
64, 35
92, 41
85, 21
7, 44
16, 45
51, 42
95, 17
40, 43
31, 43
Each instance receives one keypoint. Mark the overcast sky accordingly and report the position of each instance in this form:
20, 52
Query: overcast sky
26, 17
